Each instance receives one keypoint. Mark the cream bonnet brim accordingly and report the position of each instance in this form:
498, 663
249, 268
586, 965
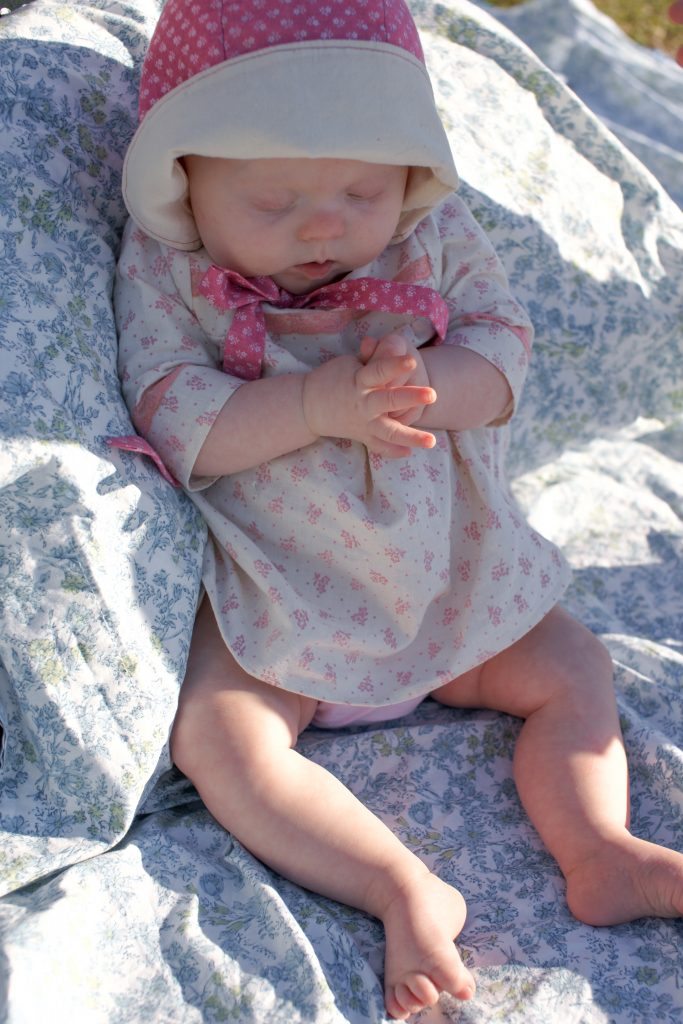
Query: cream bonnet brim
347, 99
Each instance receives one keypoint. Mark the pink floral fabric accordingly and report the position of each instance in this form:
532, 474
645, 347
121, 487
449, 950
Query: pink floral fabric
333, 572
193, 35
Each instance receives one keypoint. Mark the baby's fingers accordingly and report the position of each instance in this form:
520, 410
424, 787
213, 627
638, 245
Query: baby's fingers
392, 432
394, 401
381, 371
368, 347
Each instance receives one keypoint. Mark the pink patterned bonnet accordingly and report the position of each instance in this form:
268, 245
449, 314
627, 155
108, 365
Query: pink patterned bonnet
275, 78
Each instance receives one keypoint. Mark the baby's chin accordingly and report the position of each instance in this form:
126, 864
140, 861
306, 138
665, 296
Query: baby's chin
306, 277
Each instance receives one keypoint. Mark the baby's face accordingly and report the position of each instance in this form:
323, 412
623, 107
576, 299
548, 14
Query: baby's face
303, 222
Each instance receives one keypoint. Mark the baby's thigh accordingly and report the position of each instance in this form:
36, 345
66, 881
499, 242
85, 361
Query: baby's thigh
223, 708
559, 657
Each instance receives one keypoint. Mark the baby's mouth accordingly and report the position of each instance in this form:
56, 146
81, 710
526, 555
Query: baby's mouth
316, 271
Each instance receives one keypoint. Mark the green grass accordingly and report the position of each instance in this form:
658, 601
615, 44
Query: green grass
646, 21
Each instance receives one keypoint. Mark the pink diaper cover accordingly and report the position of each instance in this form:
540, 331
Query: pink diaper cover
336, 716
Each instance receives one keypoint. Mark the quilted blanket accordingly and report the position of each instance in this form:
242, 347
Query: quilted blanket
121, 899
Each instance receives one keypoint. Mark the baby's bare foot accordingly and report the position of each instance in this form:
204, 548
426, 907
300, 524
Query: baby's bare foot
626, 880
421, 960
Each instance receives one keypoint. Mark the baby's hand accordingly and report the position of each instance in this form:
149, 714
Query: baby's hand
346, 398
398, 345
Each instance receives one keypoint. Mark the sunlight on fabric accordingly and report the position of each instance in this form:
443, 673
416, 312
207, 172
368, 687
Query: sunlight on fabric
515, 993
525, 163
619, 497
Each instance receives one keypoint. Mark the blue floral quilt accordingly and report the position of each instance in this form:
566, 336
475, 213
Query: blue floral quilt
122, 901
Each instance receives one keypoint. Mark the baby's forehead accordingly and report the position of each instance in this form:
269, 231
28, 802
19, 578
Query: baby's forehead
292, 171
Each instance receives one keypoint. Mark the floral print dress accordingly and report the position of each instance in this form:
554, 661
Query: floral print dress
333, 572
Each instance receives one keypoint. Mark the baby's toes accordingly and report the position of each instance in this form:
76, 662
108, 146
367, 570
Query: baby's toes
411, 995
453, 978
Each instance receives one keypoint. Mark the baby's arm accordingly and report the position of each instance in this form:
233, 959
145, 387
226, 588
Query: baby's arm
341, 398
470, 391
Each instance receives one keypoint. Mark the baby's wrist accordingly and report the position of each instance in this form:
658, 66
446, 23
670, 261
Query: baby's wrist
307, 404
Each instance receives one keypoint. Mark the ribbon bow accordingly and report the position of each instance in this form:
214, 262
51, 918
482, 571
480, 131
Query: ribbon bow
246, 338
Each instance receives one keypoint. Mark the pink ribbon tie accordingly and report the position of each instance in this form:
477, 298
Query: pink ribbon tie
245, 341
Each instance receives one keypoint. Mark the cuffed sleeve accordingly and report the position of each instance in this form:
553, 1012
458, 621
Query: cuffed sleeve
171, 370
484, 316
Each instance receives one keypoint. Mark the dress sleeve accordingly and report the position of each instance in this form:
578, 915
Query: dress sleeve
170, 369
483, 315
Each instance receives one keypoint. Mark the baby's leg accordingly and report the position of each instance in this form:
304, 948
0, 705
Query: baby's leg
234, 737
570, 770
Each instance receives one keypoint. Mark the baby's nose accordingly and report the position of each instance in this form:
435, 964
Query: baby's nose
322, 225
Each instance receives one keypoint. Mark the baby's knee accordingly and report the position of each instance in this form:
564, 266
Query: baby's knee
590, 652
186, 735
234, 720
581, 663
206, 720
561, 656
